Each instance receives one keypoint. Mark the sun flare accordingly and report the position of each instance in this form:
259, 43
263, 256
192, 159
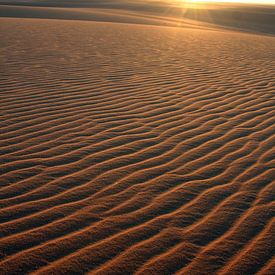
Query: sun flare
230, 1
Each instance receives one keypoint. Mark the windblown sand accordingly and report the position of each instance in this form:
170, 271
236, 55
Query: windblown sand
135, 149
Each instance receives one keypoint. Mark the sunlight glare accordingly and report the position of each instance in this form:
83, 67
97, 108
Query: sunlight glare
232, 1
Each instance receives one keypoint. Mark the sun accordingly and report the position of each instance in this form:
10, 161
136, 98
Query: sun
229, 1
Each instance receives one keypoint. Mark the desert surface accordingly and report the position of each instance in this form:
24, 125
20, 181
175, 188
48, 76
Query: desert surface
136, 138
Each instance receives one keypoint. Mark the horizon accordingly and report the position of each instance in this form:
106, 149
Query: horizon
249, 2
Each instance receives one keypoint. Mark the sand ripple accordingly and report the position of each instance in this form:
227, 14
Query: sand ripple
135, 149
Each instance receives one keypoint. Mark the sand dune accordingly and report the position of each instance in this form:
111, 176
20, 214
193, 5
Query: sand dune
135, 149
260, 18
99, 15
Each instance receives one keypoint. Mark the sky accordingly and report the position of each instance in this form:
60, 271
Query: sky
237, 1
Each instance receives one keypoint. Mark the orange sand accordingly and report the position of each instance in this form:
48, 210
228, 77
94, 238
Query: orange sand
135, 149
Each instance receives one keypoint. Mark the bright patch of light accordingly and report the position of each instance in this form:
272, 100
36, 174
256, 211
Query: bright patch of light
232, 1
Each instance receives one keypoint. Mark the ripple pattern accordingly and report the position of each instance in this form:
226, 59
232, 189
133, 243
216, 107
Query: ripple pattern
132, 149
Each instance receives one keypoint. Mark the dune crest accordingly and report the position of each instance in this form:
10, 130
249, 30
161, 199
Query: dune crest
248, 18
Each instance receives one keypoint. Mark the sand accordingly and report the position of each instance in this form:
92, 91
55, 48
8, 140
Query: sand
135, 149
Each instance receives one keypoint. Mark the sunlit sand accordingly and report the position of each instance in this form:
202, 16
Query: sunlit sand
136, 139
